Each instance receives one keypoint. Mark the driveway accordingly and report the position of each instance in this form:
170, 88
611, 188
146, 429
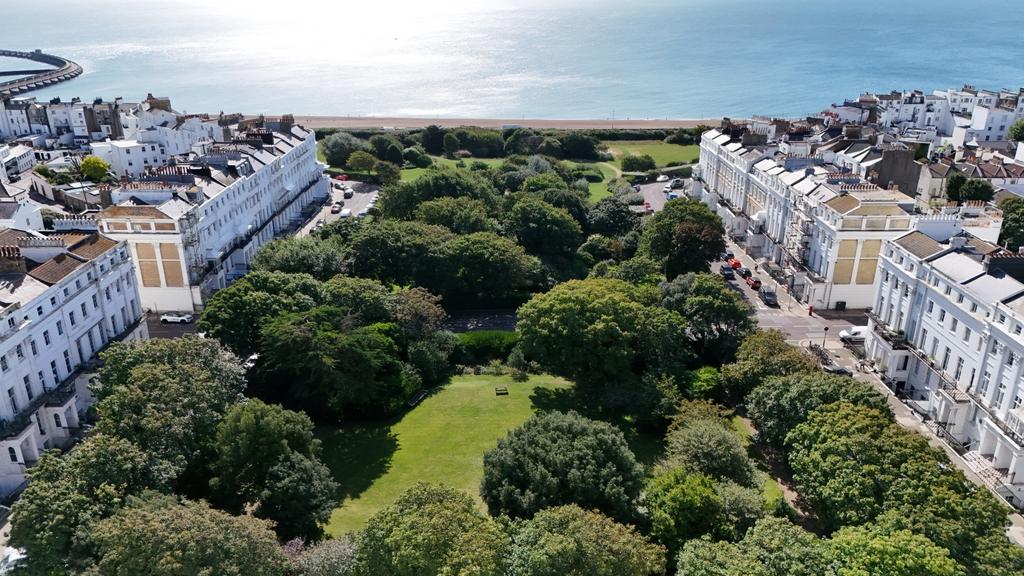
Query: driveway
362, 194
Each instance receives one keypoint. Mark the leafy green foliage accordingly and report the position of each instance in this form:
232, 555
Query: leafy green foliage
612, 217
682, 506
451, 144
570, 540
338, 147
783, 402
94, 168
388, 173
705, 557
718, 318
542, 229
557, 458
687, 236
482, 346
432, 530
1016, 132
298, 495
707, 447
638, 163
326, 366
460, 215
156, 535
1012, 233
321, 259
602, 334
334, 557
361, 161
763, 354
402, 200
874, 550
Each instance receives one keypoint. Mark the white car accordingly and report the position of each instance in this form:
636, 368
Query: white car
667, 188
854, 334
345, 213
663, 178
362, 212
175, 318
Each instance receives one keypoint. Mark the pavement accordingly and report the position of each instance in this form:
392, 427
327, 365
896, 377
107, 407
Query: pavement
363, 193
158, 329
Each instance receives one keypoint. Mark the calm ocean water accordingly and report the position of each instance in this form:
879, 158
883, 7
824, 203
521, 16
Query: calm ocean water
533, 58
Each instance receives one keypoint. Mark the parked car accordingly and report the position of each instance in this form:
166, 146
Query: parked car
175, 318
727, 272
321, 223
362, 212
754, 283
663, 178
347, 194
735, 263
347, 212
672, 195
744, 272
768, 296
636, 188
837, 370
677, 183
336, 208
853, 334
726, 256
667, 188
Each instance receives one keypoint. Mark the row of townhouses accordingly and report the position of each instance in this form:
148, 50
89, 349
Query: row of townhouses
194, 225
64, 296
947, 325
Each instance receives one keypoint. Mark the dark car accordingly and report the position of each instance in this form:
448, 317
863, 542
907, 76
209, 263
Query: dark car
744, 272
727, 272
837, 370
768, 296
348, 193
726, 256
754, 283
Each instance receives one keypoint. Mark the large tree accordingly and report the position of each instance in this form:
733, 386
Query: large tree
763, 354
167, 397
686, 235
335, 557
401, 201
50, 518
95, 168
602, 334
432, 530
876, 550
1012, 233
235, 314
483, 269
707, 447
461, 215
569, 540
321, 362
718, 319
158, 536
320, 258
682, 506
339, 146
782, 402
785, 549
542, 229
556, 458
298, 495
612, 217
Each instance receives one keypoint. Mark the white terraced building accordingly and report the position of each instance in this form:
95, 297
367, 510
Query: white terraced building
820, 225
194, 226
947, 330
63, 298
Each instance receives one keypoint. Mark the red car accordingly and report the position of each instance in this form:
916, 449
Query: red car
735, 263
754, 283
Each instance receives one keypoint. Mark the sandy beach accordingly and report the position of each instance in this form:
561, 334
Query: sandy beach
400, 122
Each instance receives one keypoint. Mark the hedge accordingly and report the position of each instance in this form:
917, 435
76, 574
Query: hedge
482, 346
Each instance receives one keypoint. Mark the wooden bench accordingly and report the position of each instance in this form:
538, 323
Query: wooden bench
501, 391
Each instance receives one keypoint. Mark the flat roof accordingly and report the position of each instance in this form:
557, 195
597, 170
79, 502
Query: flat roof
958, 267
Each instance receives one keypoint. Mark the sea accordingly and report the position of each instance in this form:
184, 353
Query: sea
552, 59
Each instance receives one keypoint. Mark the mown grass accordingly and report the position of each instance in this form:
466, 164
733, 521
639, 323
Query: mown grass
662, 152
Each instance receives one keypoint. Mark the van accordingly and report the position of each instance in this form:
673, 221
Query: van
853, 334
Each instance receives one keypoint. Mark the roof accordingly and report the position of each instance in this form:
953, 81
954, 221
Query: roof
995, 286
92, 246
843, 204
8, 210
133, 211
57, 268
919, 244
19, 287
958, 267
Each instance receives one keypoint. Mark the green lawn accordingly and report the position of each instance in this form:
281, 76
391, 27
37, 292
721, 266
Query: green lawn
411, 174
662, 152
441, 440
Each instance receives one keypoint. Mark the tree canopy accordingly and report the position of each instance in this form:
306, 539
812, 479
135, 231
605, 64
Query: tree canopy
687, 236
339, 146
556, 458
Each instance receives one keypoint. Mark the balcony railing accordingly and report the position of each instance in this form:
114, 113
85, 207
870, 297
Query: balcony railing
954, 391
896, 338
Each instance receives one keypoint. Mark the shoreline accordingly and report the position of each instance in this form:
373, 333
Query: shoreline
314, 122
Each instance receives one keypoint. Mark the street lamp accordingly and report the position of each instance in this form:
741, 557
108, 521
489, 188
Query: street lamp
825, 335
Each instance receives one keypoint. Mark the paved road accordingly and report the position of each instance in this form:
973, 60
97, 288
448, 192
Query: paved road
158, 329
363, 194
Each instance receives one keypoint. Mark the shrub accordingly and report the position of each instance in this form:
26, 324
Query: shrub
638, 163
482, 346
